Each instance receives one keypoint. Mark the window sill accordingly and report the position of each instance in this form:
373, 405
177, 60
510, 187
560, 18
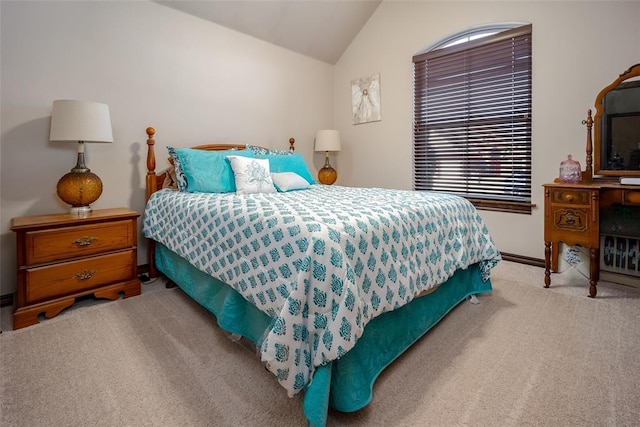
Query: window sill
502, 206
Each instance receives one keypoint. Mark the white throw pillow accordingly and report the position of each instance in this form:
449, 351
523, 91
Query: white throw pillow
289, 181
251, 175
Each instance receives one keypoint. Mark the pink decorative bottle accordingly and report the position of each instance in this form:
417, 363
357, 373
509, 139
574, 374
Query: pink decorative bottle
570, 170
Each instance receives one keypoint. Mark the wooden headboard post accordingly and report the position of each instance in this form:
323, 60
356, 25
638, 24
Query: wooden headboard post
152, 179
155, 180
152, 185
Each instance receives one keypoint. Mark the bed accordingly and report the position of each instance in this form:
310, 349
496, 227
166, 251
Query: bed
330, 283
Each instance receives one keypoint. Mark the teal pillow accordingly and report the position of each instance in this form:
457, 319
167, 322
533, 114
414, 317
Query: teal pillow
208, 171
289, 163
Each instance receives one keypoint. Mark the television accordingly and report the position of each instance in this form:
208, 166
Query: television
622, 141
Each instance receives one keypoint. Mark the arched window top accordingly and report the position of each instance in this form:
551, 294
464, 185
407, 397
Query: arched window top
471, 34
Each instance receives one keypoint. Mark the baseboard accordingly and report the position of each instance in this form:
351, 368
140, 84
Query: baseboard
143, 269
537, 262
6, 300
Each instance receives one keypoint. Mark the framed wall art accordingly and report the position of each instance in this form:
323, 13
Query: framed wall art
365, 99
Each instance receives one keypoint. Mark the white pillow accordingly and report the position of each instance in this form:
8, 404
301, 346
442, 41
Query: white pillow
251, 175
289, 181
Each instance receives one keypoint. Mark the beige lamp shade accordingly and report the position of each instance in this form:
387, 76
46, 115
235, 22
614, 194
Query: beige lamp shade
80, 121
328, 140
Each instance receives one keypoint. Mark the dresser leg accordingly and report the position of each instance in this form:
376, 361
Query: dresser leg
594, 272
27, 316
592, 288
547, 264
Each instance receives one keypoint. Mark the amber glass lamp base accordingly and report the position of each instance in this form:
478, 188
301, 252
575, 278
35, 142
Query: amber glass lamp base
327, 175
79, 189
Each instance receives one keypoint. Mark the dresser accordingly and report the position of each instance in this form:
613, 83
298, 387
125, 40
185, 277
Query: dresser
598, 212
572, 215
61, 257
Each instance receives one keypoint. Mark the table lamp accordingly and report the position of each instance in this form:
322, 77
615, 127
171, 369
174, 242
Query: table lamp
80, 122
327, 140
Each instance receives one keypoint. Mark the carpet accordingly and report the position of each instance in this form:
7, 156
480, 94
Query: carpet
524, 356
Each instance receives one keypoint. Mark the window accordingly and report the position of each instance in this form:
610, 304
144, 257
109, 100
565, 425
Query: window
472, 118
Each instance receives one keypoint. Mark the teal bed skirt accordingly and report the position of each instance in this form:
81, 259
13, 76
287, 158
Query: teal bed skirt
345, 384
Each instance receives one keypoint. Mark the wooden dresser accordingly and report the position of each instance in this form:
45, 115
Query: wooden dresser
586, 213
61, 257
572, 216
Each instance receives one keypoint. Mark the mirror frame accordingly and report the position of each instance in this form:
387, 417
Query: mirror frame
633, 71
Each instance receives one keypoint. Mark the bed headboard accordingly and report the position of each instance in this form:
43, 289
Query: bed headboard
155, 180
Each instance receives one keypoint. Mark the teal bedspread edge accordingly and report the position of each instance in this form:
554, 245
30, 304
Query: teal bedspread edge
233, 313
346, 384
389, 335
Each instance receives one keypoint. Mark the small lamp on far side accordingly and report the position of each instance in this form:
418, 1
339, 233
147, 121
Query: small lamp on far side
327, 140
80, 122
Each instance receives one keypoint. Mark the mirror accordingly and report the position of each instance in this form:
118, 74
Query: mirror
616, 139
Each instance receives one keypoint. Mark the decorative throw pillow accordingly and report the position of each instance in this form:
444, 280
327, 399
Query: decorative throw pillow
208, 171
170, 179
181, 179
288, 181
261, 151
282, 152
257, 150
251, 175
289, 163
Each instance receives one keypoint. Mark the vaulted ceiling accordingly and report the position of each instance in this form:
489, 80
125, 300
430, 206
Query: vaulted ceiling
321, 29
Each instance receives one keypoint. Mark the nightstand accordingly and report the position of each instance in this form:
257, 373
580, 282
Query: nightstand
61, 257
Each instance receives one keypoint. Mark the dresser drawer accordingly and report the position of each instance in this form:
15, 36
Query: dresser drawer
571, 196
70, 242
576, 220
57, 280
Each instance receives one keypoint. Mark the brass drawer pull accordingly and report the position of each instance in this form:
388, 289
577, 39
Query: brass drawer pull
568, 197
85, 274
632, 197
85, 241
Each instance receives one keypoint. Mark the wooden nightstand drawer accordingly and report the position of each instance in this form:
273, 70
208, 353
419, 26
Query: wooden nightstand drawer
71, 242
571, 196
70, 277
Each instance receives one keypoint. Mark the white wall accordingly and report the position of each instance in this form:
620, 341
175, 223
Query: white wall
578, 48
194, 81
197, 82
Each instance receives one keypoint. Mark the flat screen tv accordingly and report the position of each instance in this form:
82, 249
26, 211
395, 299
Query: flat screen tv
623, 141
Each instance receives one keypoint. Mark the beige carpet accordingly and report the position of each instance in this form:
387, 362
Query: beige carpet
525, 356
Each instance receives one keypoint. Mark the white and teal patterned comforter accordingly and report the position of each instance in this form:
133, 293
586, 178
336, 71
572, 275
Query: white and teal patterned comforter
321, 262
